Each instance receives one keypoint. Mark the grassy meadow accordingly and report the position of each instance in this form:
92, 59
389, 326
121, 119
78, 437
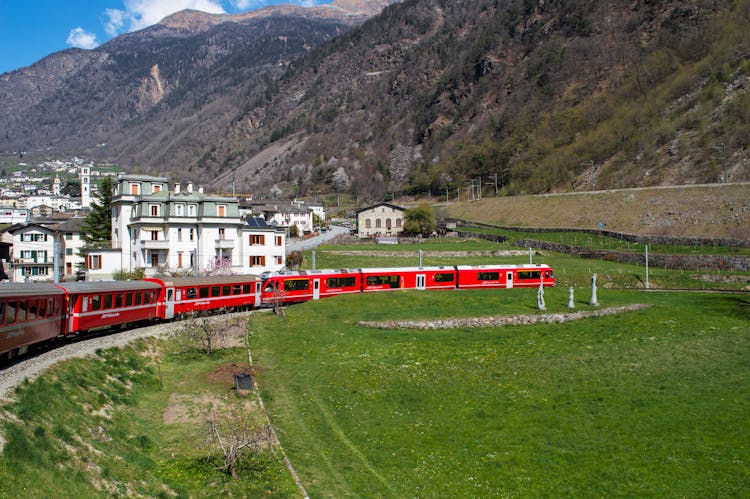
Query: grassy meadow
646, 403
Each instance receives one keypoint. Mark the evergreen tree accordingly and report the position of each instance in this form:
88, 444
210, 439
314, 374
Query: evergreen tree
97, 226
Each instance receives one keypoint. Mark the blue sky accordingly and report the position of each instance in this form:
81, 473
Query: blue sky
33, 29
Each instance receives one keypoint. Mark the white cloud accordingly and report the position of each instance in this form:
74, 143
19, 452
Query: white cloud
82, 39
139, 14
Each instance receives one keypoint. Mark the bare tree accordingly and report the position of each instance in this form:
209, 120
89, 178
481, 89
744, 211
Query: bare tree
234, 436
202, 332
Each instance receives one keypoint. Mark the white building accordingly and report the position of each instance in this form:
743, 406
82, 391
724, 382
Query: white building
382, 219
32, 254
13, 216
71, 244
183, 231
287, 216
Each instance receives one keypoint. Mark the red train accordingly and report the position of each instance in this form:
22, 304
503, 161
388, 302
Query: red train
34, 313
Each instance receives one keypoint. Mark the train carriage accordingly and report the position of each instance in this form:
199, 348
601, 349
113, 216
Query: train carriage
98, 305
504, 276
299, 286
386, 279
29, 314
186, 295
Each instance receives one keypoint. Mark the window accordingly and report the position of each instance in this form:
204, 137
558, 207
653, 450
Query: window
179, 234
488, 276
179, 210
128, 299
68, 236
296, 284
153, 210
221, 210
368, 224
246, 288
257, 239
179, 260
154, 235
444, 277
279, 241
118, 301
192, 235
529, 274
190, 293
237, 289
222, 233
107, 301
215, 291
203, 292
378, 223
398, 222
68, 268
391, 281
191, 210
95, 302
157, 188
225, 290
94, 262
341, 282
135, 189
279, 260
138, 298
257, 261
68, 251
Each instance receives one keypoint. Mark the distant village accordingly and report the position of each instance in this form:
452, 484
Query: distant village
158, 228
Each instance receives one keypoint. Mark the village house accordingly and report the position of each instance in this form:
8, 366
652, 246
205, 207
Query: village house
382, 219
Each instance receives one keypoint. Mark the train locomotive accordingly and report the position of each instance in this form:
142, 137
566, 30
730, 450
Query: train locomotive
31, 314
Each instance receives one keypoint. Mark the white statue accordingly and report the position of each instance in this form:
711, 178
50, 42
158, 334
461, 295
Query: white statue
594, 302
540, 297
571, 300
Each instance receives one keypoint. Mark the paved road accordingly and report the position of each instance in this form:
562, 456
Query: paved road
311, 242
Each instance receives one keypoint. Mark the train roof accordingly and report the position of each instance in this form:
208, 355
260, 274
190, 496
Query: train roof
381, 270
504, 266
18, 289
302, 273
207, 280
108, 286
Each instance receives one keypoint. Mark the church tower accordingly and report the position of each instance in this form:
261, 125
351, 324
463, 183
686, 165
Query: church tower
85, 186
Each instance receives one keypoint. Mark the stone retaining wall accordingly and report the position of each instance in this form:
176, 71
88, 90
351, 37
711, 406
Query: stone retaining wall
516, 320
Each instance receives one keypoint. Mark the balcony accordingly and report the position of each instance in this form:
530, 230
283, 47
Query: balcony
158, 244
224, 243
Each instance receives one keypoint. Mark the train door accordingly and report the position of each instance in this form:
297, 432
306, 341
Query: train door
316, 289
169, 304
509, 279
421, 281
258, 287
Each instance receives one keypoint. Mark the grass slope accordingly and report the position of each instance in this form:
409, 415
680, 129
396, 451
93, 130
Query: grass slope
646, 403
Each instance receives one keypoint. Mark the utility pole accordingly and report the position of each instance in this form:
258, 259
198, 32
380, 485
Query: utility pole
494, 180
723, 150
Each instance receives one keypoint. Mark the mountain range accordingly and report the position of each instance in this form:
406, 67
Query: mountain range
379, 97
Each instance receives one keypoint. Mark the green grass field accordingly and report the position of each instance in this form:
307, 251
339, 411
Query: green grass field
649, 403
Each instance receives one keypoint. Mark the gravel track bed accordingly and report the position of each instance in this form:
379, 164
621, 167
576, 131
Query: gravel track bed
14, 375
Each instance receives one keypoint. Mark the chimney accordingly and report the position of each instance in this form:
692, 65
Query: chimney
190, 188
177, 188
200, 189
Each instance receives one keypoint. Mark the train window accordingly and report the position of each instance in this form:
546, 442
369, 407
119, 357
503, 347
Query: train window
488, 276
296, 284
225, 290
138, 298
31, 310
128, 299
146, 297
190, 293
215, 291
270, 287
107, 301
529, 274
341, 282
95, 302
10, 313
237, 289
444, 277
392, 281
118, 301
203, 292
21, 311
246, 288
